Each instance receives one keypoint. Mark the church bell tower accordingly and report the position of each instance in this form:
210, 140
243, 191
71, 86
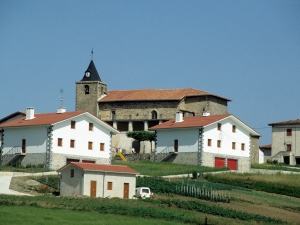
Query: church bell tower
89, 90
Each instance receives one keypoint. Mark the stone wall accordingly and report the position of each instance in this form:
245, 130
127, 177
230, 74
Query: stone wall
32, 159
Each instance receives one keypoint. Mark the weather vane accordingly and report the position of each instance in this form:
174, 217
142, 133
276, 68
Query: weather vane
61, 97
92, 53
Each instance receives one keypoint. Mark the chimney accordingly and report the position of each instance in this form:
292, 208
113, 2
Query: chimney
29, 113
179, 117
61, 110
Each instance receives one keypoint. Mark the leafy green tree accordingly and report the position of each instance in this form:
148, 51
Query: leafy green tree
142, 136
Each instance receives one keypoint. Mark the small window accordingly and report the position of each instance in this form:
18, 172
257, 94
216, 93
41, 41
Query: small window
219, 144
113, 115
90, 145
86, 89
219, 126
288, 132
73, 124
72, 143
101, 146
233, 145
91, 126
243, 146
154, 115
109, 185
233, 128
208, 142
288, 147
72, 172
59, 142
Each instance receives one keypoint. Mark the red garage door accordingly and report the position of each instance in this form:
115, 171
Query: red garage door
219, 162
232, 164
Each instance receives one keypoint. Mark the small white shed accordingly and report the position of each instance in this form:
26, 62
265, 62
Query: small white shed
97, 180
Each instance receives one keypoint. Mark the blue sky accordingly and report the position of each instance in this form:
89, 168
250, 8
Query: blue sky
248, 51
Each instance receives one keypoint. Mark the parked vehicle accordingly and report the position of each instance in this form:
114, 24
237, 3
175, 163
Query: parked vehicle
143, 192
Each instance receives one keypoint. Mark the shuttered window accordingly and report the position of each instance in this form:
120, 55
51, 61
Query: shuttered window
243, 146
72, 143
208, 142
91, 126
72, 172
59, 142
288, 132
101, 146
73, 124
219, 126
288, 147
233, 128
109, 185
90, 145
219, 143
233, 145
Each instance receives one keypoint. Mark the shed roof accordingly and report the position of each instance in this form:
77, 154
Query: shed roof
101, 167
289, 122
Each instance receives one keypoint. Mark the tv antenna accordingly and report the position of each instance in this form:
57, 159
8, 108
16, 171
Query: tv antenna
61, 97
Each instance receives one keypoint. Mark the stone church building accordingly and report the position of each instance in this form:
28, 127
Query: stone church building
137, 110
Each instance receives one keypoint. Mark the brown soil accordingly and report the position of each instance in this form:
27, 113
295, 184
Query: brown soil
28, 186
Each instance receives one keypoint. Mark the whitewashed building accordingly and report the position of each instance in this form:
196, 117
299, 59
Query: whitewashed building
96, 180
208, 140
55, 139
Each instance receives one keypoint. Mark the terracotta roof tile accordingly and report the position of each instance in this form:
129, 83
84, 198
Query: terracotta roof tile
266, 146
153, 94
289, 122
193, 121
104, 167
41, 119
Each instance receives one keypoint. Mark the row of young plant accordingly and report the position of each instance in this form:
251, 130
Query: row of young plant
281, 189
149, 208
202, 193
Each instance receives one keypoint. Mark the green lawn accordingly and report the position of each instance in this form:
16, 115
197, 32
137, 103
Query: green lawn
165, 168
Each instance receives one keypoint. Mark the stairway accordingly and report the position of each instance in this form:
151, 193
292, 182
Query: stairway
12, 155
165, 154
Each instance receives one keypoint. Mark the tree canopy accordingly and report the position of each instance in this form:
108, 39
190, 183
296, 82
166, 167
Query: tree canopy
141, 135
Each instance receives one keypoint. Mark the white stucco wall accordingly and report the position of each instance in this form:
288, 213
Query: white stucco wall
227, 137
187, 139
70, 186
35, 139
82, 136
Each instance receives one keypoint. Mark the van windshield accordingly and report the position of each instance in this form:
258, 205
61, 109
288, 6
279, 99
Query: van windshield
145, 190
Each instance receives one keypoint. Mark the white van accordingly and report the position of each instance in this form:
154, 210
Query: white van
143, 192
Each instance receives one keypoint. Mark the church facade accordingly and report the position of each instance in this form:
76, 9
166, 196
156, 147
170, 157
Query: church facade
137, 110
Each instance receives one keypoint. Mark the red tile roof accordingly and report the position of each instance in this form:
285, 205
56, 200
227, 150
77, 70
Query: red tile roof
193, 121
153, 94
104, 167
41, 119
266, 146
289, 122
11, 116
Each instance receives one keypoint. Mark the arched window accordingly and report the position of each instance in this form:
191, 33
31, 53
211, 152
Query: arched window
154, 115
86, 89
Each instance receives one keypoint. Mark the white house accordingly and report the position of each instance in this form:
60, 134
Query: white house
286, 142
209, 140
97, 180
54, 139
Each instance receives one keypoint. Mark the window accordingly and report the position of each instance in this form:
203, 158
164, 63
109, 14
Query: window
73, 124
109, 185
219, 144
72, 143
86, 89
288, 132
59, 142
113, 115
208, 142
243, 146
91, 126
233, 145
219, 126
90, 145
233, 128
101, 146
288, 147
154, 115
72, 172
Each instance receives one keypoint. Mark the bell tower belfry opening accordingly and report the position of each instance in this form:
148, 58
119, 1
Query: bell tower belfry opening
89, 90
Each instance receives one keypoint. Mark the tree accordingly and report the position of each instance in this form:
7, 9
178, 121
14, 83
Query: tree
142, 136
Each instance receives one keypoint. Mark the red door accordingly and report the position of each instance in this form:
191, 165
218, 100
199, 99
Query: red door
219, 162
232, 164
